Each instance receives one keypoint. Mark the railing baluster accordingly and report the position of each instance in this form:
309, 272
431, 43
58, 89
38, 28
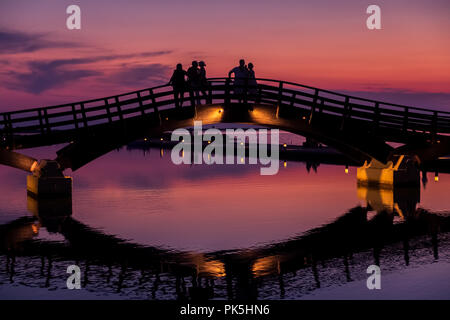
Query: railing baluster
83, 114
41, 124
75, 119
313, 106
376, 115
280, 93
152, 96
434, 126
405, 120
258, 98
293, 99
119, 109
47, 124
108, 111
227, 91
345, 112
141, 105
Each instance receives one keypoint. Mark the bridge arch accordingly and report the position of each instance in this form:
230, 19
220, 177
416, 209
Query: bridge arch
358, 127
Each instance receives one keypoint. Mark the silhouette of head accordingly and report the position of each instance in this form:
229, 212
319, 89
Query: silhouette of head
195, 64
250, 66
179, 66
202, 64
242, 63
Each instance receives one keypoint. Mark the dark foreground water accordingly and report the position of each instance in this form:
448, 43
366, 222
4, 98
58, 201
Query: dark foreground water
140, 227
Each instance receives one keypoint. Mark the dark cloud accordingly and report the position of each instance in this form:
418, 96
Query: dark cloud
45, 75
18, 42
143, 74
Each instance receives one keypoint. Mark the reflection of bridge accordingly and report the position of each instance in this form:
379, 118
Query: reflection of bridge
242, 272
358, 127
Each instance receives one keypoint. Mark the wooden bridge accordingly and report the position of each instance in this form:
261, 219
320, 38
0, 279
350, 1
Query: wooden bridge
358, 127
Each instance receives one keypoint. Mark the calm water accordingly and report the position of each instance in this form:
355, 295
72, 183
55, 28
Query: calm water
144, 228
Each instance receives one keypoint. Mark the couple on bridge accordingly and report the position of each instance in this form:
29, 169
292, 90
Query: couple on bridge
197, 81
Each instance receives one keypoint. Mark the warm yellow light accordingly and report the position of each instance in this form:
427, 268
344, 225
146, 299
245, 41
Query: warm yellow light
145, 139
242, 160
436, 177
346, 169
285, 145
285, 164
34, 228
220, 110
209, 142
162, 139
242, 143
304, 118
161, 152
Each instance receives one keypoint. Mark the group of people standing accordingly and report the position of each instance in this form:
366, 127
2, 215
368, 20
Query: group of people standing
195, 79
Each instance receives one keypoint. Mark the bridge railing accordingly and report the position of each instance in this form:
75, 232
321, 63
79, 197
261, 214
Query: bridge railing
312, 101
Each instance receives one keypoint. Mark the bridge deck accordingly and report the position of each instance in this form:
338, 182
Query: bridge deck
313, 102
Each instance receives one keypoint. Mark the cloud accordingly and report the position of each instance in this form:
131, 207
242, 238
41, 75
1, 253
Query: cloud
143, 74
19, 42
46, 75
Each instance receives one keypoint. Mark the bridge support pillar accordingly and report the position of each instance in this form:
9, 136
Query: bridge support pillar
48, 181
401, 171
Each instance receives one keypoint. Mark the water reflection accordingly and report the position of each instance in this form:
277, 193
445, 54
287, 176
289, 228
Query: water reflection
143, 271
328, 240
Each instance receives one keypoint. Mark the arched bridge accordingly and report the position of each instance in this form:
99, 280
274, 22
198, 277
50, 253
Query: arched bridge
358, 127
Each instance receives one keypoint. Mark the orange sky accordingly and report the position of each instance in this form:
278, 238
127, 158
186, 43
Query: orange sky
128, 45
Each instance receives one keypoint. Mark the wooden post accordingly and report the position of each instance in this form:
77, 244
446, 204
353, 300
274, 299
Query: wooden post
280, 93
376, 115
47, 124
41, 124
119, 109
83, 114
227, 91
405, 120
152, 96
293, 99
434, 126
141, 105
313, 106
345, 112
108, 111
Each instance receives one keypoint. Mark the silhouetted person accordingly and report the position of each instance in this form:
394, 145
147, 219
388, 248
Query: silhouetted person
177, 81
252, 84
240, 78
203, 80
193, 74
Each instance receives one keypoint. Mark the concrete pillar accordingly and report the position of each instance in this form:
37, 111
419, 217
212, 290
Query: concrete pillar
48, 181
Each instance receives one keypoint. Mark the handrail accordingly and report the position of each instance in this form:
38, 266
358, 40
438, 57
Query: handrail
269, 91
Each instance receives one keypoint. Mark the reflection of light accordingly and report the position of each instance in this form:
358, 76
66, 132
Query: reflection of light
436, 177
242, 143
304, 118
285, 145
34, 228
182, 153
242, 160
346, 169
145, 139
209, 142
220, 110
265, 266
33, 166
162, 139
285, 164
161, 152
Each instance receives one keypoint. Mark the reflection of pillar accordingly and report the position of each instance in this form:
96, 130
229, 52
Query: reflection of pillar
315, 272
48, 180
406, 250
